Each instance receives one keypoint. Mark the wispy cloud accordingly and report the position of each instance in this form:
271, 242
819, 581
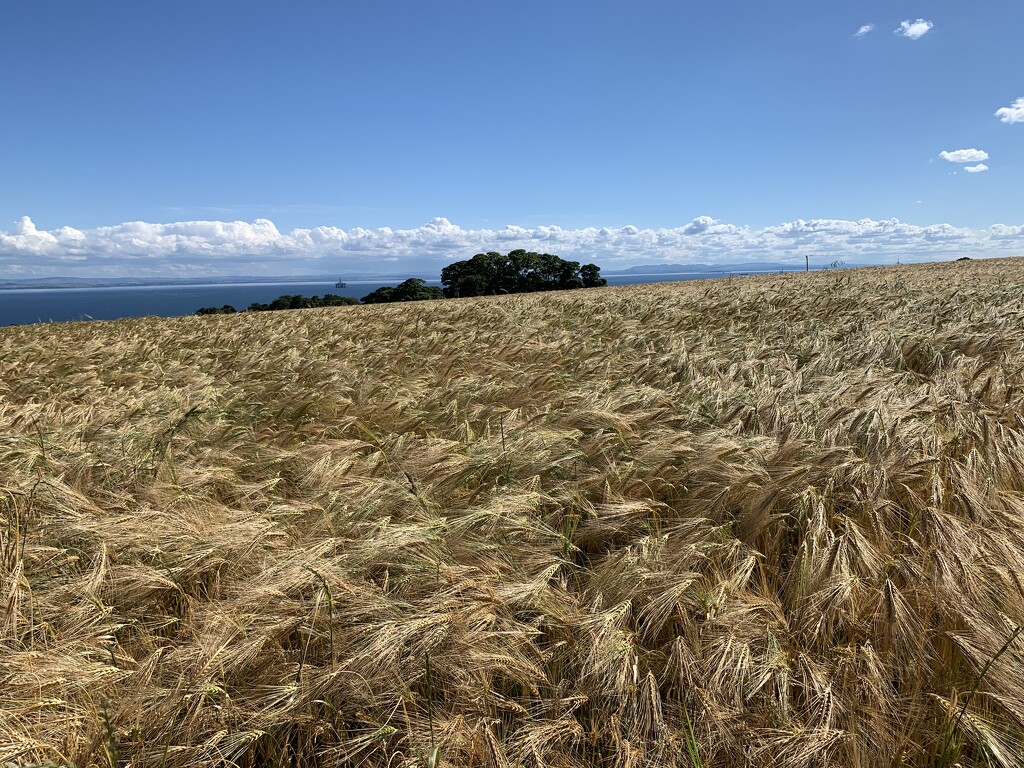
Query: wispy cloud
913, 29
964, 155
1013, 113
208, 248
976, 168
864, 29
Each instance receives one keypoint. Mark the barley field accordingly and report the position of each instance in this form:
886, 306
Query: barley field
764, 521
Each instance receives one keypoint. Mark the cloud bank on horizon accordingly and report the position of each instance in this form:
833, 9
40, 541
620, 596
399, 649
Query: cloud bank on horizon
213, 248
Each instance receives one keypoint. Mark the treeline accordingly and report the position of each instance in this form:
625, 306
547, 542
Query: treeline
486, 274
412, 289
284, 302
302, 302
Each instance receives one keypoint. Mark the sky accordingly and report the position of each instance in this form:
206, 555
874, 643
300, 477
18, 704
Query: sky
214, 138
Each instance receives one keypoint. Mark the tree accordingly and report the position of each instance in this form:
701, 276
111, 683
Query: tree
591, 276
412, 289
227, 309
521, 271
334, 300
302, 302
479, 276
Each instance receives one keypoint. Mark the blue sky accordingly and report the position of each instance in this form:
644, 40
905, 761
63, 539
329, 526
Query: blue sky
264, 137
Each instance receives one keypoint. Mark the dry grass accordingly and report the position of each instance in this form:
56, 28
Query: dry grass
750, 522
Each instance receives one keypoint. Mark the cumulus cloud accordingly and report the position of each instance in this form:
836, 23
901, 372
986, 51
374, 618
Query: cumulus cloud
913, 29
699, 225
964, 155
864, 29
216, 248
1013, 113
976, 168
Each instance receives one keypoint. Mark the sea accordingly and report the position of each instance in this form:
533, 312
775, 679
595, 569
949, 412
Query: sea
22, 306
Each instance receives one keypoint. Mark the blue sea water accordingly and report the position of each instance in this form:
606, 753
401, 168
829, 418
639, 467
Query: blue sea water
40, 305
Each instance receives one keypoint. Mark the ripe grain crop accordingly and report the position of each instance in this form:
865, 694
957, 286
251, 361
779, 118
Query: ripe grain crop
747, 522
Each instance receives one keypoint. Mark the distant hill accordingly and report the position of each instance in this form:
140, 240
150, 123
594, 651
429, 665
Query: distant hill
689, 269
119, 282
108, 282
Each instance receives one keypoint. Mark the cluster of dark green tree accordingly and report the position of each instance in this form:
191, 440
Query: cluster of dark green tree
303, 302
488, 274
412, 289
284, 302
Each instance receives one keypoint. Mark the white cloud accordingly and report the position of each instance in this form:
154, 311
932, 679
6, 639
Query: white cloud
864, 29
976, 168
913, 29
1013, 113
699, 225
1003, 231
209, 248
964, 155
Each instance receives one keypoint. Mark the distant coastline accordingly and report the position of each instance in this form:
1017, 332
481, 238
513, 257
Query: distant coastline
707, 269
54, 283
